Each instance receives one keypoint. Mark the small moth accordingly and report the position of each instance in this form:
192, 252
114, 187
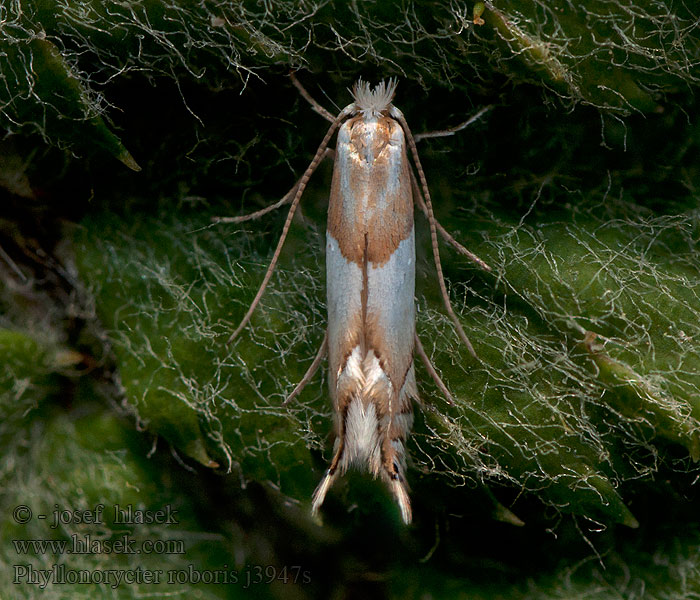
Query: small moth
370, 269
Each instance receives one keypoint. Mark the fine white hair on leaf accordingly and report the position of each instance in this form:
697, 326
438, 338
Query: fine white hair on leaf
372, 101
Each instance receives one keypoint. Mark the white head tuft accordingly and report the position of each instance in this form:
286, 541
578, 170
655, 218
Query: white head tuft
371, 102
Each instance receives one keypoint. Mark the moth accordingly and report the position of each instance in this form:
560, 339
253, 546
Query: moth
370, 271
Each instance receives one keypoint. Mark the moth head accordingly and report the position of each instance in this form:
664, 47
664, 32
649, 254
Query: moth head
372, 102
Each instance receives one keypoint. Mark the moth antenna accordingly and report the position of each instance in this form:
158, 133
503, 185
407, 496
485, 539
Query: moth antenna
311, 371
315, 105
300, 190
433, 373
268, 209
258, 213
433, 231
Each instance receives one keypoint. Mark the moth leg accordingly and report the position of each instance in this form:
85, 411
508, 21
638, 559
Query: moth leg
433, 373
268, 209
311, 371
314, 105
398, 115
452, 130
442, 231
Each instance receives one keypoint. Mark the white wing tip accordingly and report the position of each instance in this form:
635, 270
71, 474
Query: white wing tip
397, 488
404, 502
321, 491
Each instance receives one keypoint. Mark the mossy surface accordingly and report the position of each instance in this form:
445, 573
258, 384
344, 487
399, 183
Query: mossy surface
538, 411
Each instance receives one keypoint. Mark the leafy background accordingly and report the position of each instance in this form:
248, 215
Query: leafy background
567, 467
